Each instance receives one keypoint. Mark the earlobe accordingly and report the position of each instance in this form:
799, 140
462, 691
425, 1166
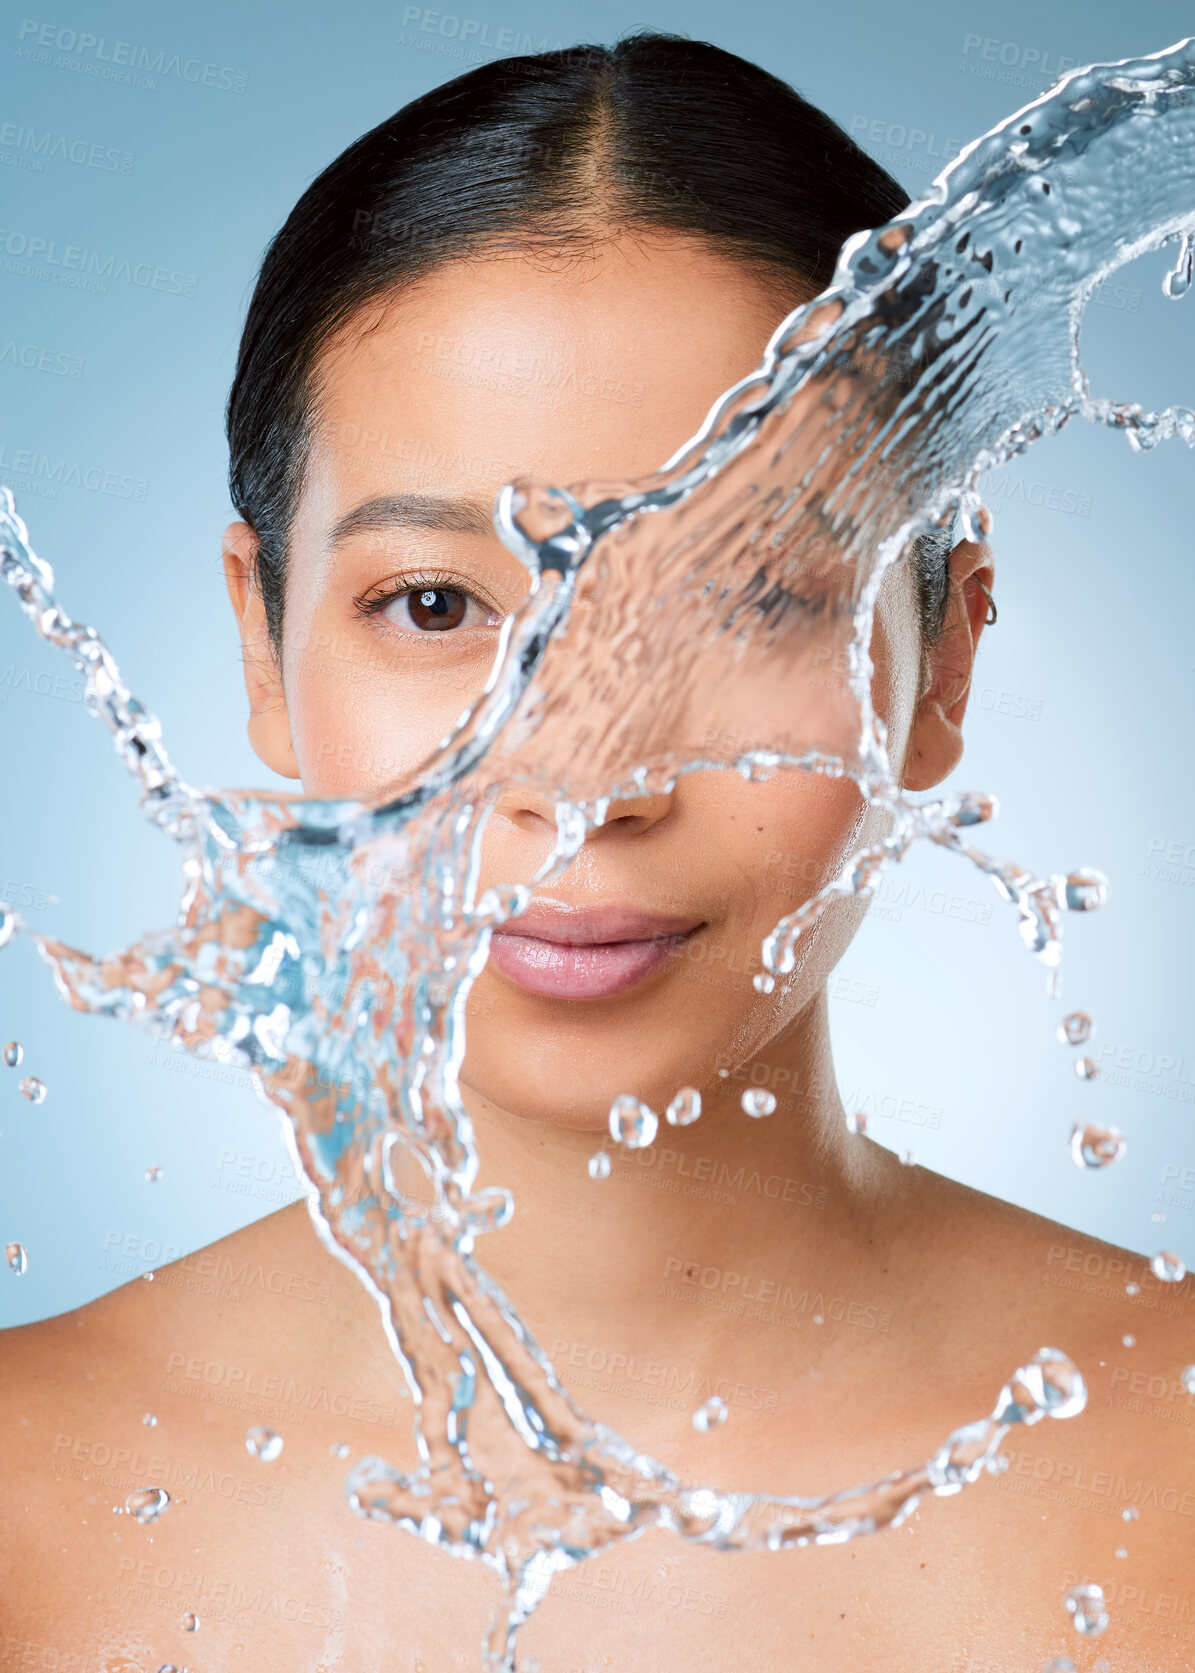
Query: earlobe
269, 722
936, 740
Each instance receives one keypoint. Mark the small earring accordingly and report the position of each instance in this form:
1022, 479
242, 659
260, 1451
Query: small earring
990, 618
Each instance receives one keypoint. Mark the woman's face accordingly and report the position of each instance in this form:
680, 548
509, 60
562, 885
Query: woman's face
482, 372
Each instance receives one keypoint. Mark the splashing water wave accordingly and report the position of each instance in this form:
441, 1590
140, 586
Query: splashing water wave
330, 945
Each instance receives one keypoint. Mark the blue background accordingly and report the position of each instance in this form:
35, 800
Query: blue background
1079, 722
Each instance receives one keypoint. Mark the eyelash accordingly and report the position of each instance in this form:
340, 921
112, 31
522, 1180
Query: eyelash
776, 602
379, 598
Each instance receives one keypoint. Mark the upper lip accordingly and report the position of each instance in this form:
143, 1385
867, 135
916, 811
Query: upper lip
593, 926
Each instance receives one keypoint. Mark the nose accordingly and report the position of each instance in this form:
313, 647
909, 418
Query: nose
533, 811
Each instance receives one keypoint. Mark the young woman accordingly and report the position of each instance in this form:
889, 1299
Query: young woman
551, 267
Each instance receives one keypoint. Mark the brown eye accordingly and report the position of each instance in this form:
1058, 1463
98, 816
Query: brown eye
435, 609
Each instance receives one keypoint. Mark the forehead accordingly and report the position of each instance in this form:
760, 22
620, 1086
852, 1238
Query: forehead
485, 370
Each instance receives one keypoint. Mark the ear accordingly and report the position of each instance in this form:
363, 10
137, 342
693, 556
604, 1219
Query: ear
936, 740
269, 723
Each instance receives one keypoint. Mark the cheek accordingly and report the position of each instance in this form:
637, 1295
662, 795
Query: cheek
354, 727
897, 659
807, 824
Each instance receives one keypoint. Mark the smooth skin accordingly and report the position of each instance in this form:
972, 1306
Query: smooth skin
892, 1304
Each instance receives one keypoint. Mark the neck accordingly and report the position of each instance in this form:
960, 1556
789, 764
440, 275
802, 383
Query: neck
731, 1207
735, 1247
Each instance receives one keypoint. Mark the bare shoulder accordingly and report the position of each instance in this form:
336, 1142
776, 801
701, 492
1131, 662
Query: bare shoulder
153, 1394
68, 1454
1043, 1269
60, 1367
228, 1326
81, 1392
1103, 1498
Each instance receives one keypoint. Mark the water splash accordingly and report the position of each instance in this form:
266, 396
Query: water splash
632, 1123
947, 344
263, 1443
685, 1108
711, 1414
146, 1504
1085, 1605
1075, 1029
1096, 1147
1178, 281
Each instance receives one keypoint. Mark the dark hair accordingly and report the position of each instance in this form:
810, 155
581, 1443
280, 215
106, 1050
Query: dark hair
560, 149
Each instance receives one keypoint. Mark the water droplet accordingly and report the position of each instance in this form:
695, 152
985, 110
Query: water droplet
599, 1166
710, 1415
1059, 1664
999, 1463
153, 1175
684, 1108
1132, 1289
975, 808
1178, 281
757, 1102
1130, 1513
1169, 1268
856, 1123
33, 1089
1050, 1385
976, 521
1187, 1378
1096, 1147
1086, 1068
1129, 1341
146, 1504
8, 923
150, 1421
1086, 1606
868, 874
17, 1258
763, 983
1157, 1216
1120, 1551
632, 1123
189, 1621
339, 1449
1084, 891
13, 1053
1075, 1030
263, 1443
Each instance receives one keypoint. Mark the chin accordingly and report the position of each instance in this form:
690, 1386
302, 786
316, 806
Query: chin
544, 1087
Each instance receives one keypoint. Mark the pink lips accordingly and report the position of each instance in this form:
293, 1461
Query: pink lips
563, 952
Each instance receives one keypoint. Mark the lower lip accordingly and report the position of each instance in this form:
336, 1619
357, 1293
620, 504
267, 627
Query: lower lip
557, 971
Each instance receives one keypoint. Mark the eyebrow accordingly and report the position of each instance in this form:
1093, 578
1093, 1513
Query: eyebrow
413, 511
